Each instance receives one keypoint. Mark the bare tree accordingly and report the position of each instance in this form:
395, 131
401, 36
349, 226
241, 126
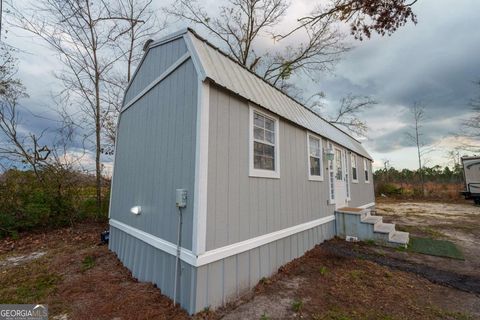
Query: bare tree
416, 136
93, 41
241, 25
364, 16
347, 115
16, 145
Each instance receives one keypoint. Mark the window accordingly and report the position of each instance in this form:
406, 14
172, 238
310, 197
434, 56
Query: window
315, 167
365, 167
264, 160
338, 165
353, 159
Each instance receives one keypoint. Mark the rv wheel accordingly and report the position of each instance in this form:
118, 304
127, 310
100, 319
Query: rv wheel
477, 201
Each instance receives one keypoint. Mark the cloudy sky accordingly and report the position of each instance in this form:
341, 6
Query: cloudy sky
434, 62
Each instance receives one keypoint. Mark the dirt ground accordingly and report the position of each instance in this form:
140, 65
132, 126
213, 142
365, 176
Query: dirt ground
80, 279
458, 222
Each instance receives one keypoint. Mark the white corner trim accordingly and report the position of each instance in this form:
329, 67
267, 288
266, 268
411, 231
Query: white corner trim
239, 247
368, 205
159, 79
168, 247
259, 173
219, 253
197, 62
310, 177
199, 236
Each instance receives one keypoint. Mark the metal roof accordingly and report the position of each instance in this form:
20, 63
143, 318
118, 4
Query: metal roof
226, 72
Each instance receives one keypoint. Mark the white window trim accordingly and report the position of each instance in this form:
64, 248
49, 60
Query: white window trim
366, 168
260, 173
310, 177
356, 166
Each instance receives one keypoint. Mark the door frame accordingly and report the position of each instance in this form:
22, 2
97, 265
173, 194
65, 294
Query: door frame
342, 201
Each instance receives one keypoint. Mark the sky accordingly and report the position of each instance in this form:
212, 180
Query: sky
434, 62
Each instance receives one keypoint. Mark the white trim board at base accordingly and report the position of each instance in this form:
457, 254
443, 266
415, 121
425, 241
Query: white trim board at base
219, 253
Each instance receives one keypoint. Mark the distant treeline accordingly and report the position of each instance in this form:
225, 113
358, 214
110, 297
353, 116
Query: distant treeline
429, 182
48, 198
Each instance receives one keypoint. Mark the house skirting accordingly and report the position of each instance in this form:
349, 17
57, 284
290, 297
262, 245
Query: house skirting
214, 283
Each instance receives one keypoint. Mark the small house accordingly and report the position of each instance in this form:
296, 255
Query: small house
255, 176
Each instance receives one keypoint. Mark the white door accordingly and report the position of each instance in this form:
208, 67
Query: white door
340, 183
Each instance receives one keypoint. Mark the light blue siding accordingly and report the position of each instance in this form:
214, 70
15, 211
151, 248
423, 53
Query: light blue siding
156, 155
242, 207
154, 64
225, 280
148, 264
362, 193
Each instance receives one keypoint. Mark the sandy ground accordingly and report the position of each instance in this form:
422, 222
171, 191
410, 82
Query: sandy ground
457, 222
80, 279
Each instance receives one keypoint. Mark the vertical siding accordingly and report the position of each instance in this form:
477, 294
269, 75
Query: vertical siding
222, 281
156, 155
242, 207
362, 193
148, 264
154, 64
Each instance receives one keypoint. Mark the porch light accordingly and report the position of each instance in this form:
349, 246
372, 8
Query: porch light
136, 210
329, 154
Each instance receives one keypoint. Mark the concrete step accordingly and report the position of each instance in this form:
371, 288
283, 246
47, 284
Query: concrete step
372, 219
400, 237
384, 227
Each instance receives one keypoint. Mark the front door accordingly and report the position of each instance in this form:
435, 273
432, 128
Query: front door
340, 183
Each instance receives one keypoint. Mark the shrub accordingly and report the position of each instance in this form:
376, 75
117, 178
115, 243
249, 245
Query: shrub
53, 197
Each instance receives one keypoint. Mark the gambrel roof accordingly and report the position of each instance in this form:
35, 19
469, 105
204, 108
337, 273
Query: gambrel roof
218, 67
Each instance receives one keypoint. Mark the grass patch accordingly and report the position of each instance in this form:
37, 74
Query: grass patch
356, 274
425, 231
432, 247
264, 317
31, 282
332, 315
297, 305
323, 270
88, 263
36, 289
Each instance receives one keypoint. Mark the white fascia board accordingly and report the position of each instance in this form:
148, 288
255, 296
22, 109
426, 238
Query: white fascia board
166, 246
199, 237
197, 62
219, 253
170, 37
239, 247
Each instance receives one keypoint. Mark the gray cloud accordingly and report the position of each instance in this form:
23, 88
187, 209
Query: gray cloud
434, 62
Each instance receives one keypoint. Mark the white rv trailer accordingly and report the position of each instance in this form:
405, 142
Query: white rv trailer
471, 170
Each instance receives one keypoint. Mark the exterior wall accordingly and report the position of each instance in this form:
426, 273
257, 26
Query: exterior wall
155, 155
471, 168
154, 64
361, 193
240, 207
150, 264
226, 279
